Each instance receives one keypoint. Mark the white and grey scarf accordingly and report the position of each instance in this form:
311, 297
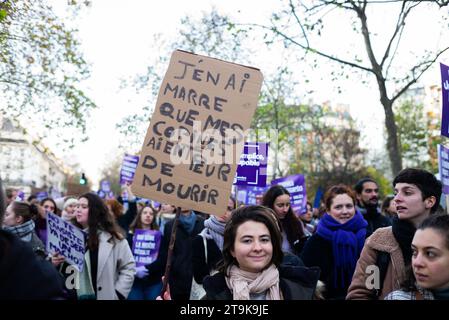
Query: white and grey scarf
214, 229
24, 231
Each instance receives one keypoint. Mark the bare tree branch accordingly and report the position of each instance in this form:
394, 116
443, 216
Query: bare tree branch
320, 53
427, 65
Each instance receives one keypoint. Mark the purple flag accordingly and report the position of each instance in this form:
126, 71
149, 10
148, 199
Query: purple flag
146, 245
443, 166
252, 168
296, 185
445, 92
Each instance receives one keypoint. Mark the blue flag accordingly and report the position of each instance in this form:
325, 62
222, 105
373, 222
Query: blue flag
318, 196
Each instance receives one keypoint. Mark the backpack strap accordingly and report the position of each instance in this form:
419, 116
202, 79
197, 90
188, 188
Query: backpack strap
382, 262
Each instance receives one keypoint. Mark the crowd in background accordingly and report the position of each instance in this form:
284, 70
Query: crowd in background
353, 246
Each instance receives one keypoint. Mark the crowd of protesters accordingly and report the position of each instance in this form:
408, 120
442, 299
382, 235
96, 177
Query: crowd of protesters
356, 247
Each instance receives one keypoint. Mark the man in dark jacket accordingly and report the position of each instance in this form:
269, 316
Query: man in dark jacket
23, 274
367, 193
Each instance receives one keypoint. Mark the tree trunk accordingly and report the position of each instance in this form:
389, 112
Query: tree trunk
393, 147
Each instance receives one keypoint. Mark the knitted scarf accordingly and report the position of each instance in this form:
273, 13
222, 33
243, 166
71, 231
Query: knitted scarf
243, 283
214, 229
347, 242
24, 231
188, 222
403, 232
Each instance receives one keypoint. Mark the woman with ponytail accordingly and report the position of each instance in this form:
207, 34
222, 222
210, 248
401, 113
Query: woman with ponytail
18, 221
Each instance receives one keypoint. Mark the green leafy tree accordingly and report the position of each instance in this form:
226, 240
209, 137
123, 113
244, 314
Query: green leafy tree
41, 67
418, 140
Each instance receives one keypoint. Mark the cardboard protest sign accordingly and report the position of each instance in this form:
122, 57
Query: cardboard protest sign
445, 92
65, 238
193, 144
146, 244
296, 186
128, 168
443, 166
252, 168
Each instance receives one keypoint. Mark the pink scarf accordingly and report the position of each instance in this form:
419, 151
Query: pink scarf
242, 283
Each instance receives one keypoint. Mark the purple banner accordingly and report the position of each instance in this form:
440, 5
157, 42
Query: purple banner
105, 186
296, 185
252, 168
128, 169
443, 166
146, 245
445, 92
250, 195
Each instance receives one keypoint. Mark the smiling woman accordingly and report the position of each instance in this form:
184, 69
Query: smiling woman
252, 256
338, 241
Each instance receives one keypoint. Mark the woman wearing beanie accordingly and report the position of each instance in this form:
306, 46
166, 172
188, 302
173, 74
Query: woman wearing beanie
338, 241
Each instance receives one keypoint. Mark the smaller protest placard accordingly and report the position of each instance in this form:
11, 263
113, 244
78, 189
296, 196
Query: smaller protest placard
146, 245
250, 195
445, 93
66, 239
252, 168
443, 166
129, 166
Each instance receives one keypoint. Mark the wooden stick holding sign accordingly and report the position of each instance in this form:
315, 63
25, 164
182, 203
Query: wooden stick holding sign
193, 144
170, 251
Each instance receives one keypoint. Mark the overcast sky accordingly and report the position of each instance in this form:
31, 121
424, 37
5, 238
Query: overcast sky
117, 40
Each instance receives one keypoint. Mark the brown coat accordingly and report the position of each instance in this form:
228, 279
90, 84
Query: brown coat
381, 240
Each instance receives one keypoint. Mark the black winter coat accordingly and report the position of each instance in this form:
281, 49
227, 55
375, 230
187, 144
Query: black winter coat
296, 283
214, 255
25, 275
181, 272
318, 253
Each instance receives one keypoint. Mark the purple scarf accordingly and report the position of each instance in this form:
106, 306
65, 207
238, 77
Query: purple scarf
347, 242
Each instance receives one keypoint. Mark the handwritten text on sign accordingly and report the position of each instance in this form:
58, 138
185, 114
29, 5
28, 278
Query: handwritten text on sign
65, 238
193, 144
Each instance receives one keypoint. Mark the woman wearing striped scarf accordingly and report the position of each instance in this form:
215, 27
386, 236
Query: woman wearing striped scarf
18, 221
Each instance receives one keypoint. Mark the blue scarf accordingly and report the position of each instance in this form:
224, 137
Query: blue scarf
347, 242
188, 222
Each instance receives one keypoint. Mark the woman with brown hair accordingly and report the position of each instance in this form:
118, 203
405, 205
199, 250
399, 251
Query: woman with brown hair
252, 256
338, 241
109, 266
146, 286
294, 238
